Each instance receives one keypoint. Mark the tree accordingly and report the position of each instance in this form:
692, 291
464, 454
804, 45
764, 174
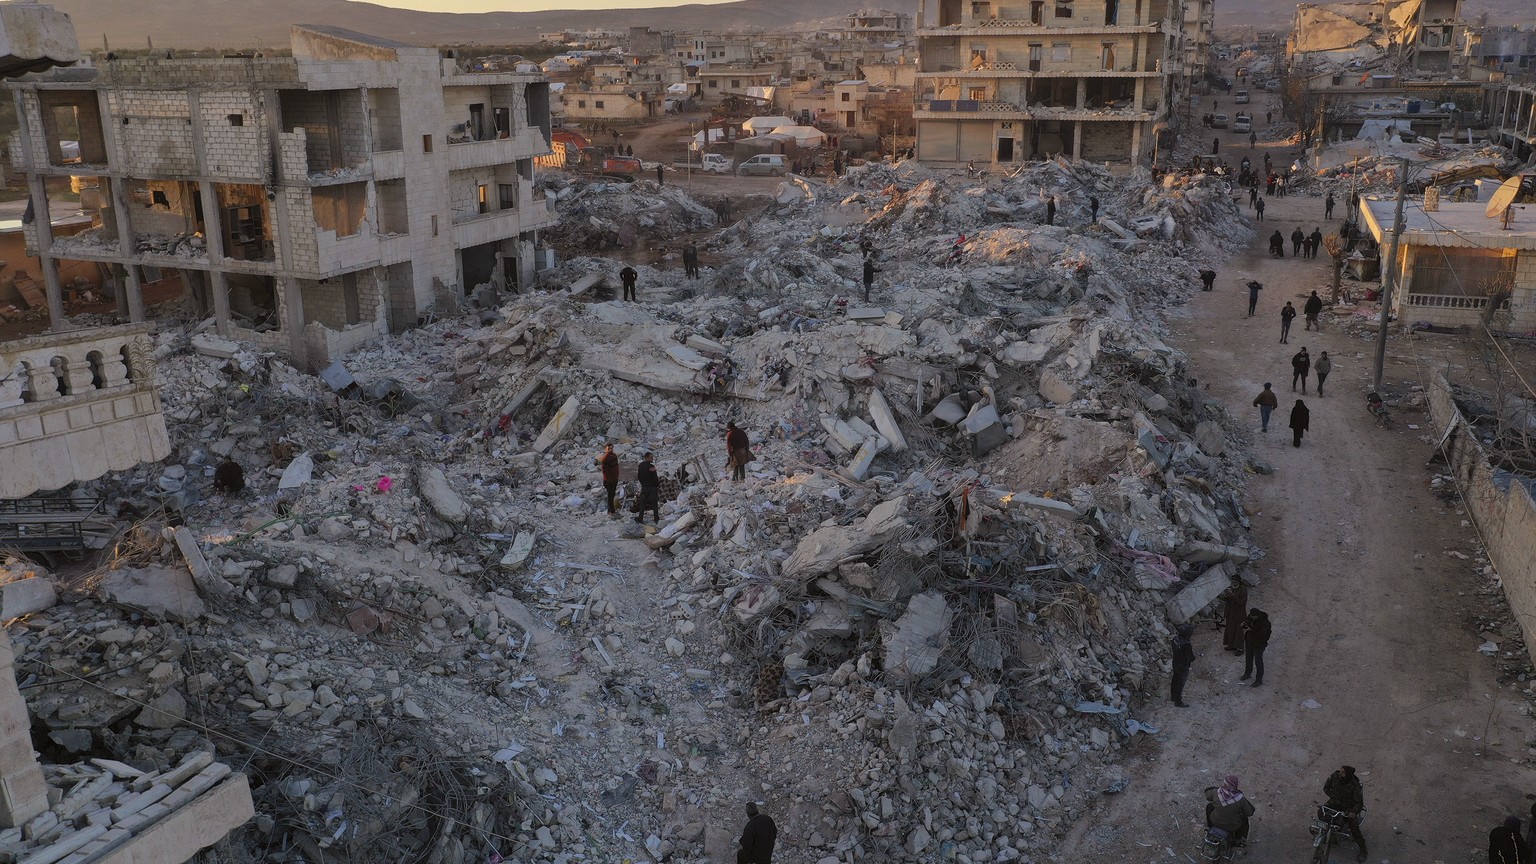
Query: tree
1336, 251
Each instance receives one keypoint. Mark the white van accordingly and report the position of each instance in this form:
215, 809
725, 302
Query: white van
771, 164
1243, 123
1240, 97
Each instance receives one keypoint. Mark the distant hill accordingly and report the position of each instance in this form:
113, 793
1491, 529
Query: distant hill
264, 23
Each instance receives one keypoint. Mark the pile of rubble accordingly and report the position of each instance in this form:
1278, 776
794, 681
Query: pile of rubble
919, 630
602, 215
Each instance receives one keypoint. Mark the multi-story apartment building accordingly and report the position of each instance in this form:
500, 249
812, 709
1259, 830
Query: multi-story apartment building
1007, 80
1511, 111
1510, 50
1401, 36
308, 203
1199, 24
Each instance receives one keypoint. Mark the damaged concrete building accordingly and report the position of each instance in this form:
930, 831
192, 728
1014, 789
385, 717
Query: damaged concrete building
306, 203
1406, 36
1008, 80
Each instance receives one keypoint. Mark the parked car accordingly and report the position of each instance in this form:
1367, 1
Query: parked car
1241, 97
1220, 121
1243, 123
771, 164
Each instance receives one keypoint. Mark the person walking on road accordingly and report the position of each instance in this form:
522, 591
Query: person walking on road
1258, 205
1234, 610
628, 277
650, 490
1317, 240
1277, 244
1256, 630
1253, 295
1253, 196
1301, 364
1183, 658
1313, 308
738, 450
1300, 419
1328, 207
1346, 795
1321, 369
1266, 402
1253, 139
1287, 315
1506, 846
1208, 279
757, 838
1215, 146
1297, 237
609, 464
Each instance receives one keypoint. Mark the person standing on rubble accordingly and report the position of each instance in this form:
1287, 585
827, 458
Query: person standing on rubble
659, 179
609, 464
1093, 211
691, 260
1266, 402
628, 277
1183, 658
1254, 287
757, 838
1287, 315
1313, 308
1256, 631
869, 275
1301, 364
1297, 236
1234, 608
1300, 421
1328, 207
738, 449
1050, 211
650, 490
1323, 367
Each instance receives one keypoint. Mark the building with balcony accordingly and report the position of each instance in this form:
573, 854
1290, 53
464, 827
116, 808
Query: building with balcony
308, 203
1009, 80
1511, 112
1199, 24
876, 25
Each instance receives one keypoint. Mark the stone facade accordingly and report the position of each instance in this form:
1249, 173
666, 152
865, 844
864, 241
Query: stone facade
265, 181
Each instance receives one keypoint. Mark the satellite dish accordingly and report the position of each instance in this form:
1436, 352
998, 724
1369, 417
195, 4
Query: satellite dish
1499, 203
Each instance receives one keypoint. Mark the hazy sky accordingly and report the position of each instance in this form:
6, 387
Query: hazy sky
529, 5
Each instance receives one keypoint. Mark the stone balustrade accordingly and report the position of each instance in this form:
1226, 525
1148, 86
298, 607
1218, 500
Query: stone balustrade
75, 405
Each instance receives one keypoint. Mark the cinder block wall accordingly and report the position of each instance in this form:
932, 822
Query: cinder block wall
1506, 517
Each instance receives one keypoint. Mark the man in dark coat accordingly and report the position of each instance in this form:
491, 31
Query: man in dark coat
628, 276
869, 275
1255, 640
1313, 308
650, 490
1266, 402
1258, 208
739, 451
1321, 369
1287, 315
1050, 211
1317, 239
1506, 846
1277, 244
1296, 237
1346, 795
1301, 364
1328, 207
1183, 658
1093, 208
757, 838
1254, 287
609, 464
1300, 419
1208, 277
1234, 609
691, 260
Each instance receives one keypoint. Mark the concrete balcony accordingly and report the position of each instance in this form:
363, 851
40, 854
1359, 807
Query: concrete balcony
938, 109
531, 214
496, 151
1025, 70
76, 405
1023, 27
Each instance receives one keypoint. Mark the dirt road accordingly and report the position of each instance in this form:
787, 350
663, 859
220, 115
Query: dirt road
1372, 618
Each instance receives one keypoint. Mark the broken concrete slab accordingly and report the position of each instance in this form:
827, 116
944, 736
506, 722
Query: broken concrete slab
1199, 594
885, 420
913, 650
864, 430
214, 346
1025, 353
870, 314
826, 548
1056, 388
26, 596
558, 425
1210, 438
701, 343
980, 417
166, 593
1050, 505
207, 581
950, 410
757, 600
445, 502
989, 439
1201, 552
840, 432
298, 472
858, 469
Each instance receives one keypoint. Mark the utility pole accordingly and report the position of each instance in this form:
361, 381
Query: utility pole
1391, 271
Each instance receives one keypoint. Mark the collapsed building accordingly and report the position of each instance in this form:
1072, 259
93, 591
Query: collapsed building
307, 204
1411, 36
1011, 81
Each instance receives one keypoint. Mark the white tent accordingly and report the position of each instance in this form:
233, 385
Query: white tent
805, 136
757, 125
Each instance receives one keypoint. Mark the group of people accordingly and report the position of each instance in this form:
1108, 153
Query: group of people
1312, 309
650, 484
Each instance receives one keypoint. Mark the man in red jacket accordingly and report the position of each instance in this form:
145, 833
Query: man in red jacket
738, 451
610, 467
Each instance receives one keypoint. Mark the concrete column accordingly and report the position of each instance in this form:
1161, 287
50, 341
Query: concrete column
922, 14
1082, 93
213, 235
1136, 135
23, 792
1077, 140
41, 217
134, 289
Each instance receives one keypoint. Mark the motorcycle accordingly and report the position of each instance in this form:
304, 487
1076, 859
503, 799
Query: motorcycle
1328, 828
1378, 409
1217, 846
